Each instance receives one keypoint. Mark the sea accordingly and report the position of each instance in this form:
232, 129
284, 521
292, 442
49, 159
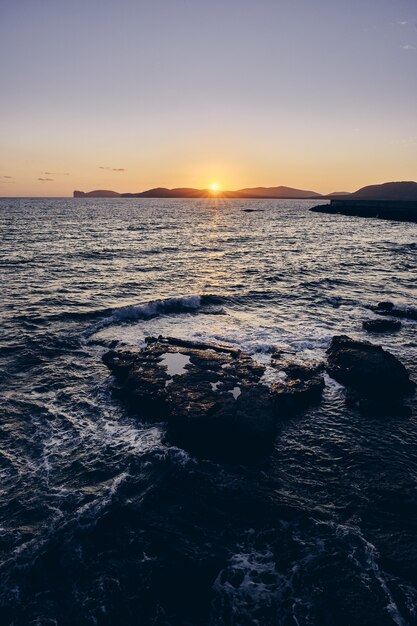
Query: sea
102, 522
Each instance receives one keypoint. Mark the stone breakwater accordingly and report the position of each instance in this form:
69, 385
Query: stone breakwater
219, 403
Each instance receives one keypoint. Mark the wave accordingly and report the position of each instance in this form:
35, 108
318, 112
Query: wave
145, 311
258, 581
155, 308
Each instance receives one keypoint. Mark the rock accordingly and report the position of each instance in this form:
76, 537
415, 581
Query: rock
214, 404
212, 397
383, 208
376, 379
385, 306
302, 387
381, 326
228, 427
388, 308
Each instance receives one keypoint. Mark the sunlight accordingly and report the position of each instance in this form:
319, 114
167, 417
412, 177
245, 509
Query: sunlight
214, 187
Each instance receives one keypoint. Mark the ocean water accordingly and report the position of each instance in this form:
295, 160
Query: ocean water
101, 523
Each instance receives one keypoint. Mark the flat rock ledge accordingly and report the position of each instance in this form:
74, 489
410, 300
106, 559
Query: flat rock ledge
215, 400
399, 211
377, 382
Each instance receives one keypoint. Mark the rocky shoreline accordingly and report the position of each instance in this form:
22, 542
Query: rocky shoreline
401, 211
219, 403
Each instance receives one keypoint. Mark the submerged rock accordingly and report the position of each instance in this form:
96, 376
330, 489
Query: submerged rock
376, 379
381, 326
386, 305
388, 308
214, 398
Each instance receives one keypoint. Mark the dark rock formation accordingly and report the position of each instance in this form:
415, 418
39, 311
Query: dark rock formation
388, 308
384, 306
214, 398
302, 386
381, 326
376, 379
400, 211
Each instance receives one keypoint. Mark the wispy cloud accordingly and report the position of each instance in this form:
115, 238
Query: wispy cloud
46, 180
10, 177
7, 180
112, 169
405, 141
408, 46
403, 22
56, 173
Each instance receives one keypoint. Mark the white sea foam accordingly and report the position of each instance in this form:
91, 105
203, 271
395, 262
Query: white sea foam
255, 580
371, 565
148, 310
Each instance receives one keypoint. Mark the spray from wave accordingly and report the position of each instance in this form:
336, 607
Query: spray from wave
148, 310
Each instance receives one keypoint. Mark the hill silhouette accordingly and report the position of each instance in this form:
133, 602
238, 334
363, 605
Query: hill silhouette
278, 192
392, 191
189, 192
403, 191
390, 201
97, 193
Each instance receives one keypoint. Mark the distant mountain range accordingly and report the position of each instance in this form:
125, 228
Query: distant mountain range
394, 191
189, 192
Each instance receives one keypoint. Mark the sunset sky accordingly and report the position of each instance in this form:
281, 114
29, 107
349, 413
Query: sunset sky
128, 95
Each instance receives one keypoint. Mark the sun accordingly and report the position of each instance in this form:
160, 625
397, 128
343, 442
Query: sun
214, 187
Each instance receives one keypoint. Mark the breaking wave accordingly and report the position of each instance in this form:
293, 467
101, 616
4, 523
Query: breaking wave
149, 310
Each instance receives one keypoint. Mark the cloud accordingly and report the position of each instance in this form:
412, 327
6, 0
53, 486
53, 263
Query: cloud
56, 173
403, 22
405, 141
46, 180
112, 169
7, 176
409, 47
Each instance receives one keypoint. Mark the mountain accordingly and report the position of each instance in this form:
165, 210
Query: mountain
97, 193
189, 192
395, 191
336, 194
277, 192
163, 192
389, 201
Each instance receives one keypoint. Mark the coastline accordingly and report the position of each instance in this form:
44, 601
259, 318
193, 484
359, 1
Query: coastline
401, 210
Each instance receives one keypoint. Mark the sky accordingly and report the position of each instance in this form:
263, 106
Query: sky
130, 95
